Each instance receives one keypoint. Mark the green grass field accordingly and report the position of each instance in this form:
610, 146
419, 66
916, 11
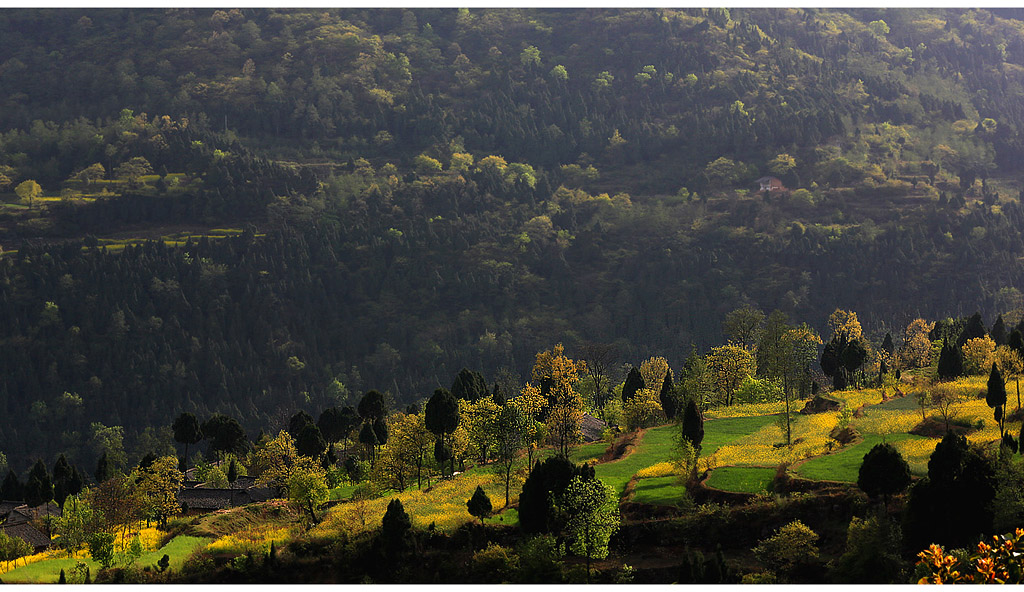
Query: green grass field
659, 491
742, 479
655, 446
845, 464
47, 572
720, 432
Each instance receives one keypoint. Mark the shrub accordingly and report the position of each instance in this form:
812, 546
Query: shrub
791, 547
495, 564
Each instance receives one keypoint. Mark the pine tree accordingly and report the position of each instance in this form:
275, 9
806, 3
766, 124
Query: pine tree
998, 332
996, 395
232, 472
951, 362
395, 527
62, 579
634, 382
479, 505
693, 425
12, 489
883, 472
669, 400
974, 328
887, 344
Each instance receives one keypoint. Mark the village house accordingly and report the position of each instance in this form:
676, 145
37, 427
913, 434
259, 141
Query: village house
770, 184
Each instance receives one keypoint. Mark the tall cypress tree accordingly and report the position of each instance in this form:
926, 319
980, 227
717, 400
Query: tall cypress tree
634, 382
951, 362
996, 395
974, 329
12, 489
998, 332
693, 424
669, 400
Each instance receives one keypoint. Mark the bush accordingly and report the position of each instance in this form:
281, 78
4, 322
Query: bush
495, 564
791, 547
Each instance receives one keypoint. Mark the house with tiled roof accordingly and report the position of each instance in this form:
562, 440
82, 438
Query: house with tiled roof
30, 534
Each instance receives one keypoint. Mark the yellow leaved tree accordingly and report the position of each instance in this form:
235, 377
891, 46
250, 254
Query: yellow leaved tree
557, 376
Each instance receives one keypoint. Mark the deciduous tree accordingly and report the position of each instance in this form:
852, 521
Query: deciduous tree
592, 517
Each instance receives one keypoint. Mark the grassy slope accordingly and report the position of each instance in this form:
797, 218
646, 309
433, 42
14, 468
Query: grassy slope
717, 433
742, 479
48, 571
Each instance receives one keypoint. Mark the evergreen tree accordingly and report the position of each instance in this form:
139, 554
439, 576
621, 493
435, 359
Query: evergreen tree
372, 406
332, 424
368, 438
469, 385
310, 442
951, 362
297, 422
62, 474
187, 431
995, 397
1016, 342
669, 400
546, 482
103, 470
225, 434
12, 489
887, 344
232, 472
39, 487
381, 430
883, 472
395, 527
634, 382
693, 425
479, 505
441, 417
62, 579
998, 332
974, 329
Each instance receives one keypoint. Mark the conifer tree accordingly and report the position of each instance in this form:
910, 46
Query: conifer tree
479, 505
634, 382
998, 333
693, 425
12, 489
951, 362
996, 395
974, 328
669, 399
103, 471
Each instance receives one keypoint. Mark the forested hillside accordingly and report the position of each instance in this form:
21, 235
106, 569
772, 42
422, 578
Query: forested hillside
345, 200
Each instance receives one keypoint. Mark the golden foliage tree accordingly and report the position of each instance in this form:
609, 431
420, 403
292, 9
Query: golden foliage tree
643, 409
276, 460
917, 348
1010, 366
159, 484
979, 353
728, 366
557, 375
653, 371
845, 323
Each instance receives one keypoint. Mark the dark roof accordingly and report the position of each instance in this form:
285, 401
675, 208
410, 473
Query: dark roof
28, 533
261, 494
208, 498
244, 482
591, 427
767, 180
23, 513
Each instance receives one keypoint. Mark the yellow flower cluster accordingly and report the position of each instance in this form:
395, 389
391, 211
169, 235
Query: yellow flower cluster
745, 410
662, 469
444, 504
855, 398
886, 421
255, 539
759, 448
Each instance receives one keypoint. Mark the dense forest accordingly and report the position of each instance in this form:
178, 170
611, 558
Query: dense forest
411, 192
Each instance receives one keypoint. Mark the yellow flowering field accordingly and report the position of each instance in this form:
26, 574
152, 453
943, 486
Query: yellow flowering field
886, 421
444, 504
255, 539
745, 410
149, 538
758, 448
662, 469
